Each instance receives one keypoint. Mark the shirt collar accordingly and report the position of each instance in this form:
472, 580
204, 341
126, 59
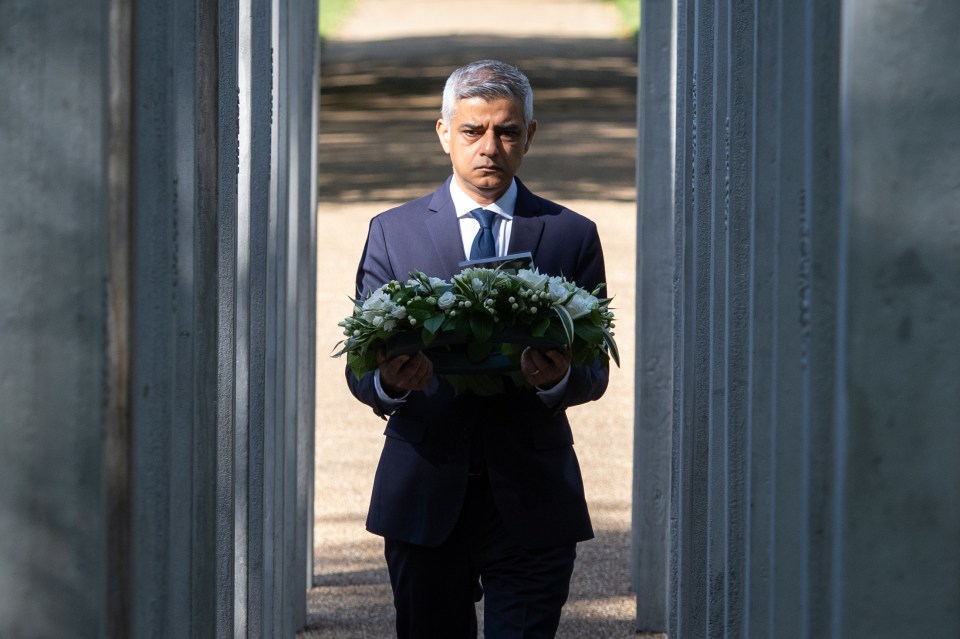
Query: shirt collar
503, 207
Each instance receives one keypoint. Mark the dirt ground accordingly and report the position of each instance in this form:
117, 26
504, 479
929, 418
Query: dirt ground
380, 94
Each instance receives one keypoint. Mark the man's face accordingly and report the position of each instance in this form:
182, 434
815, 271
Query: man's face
486, 142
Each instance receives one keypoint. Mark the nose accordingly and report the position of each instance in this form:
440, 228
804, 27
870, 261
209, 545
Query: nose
488, 144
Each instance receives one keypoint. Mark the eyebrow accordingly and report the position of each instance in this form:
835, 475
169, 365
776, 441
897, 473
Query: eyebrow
510, 126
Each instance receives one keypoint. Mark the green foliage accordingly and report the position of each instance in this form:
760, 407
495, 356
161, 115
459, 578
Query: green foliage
332, 14
630, 12
481, 315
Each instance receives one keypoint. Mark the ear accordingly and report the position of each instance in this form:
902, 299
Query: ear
443, 132
531, 130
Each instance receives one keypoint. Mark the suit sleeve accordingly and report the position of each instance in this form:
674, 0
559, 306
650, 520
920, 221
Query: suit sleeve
373, 271
587, 383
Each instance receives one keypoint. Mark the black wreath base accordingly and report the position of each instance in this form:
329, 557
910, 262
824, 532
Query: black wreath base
450, 355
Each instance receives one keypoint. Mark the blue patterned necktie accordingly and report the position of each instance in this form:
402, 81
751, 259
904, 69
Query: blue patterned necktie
483, 244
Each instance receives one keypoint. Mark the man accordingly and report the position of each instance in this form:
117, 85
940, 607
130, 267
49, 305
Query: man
480, 496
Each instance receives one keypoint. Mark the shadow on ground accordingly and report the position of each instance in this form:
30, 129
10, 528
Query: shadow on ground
380, 102
357, 604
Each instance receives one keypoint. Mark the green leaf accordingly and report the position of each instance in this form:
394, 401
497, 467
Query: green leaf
540, 328
357, 368
590, 333
482, 326
433, 324
419, 314
343, 350
462, 327
611, 347
556, 333
566, 320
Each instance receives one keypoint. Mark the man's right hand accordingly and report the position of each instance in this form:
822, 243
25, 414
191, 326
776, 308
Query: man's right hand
404, 373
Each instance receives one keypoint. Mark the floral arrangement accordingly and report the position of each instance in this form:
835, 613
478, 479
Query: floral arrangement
480, 321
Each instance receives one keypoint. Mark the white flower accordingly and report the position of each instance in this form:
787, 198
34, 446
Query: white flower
528, 295
470, 274
559, 288
431, 284
378, 304
582, 303
532, 278
377, 300
447, 300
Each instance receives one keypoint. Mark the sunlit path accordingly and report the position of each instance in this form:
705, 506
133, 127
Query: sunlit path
380, 97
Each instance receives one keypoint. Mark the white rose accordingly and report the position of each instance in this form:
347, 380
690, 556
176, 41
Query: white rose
468, 275
376, 304
447, 300
532, 278
371, 314
389, 325
582, 303
398, 312
557, 290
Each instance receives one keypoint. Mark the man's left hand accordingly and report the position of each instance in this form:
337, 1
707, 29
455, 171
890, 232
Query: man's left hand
543, 369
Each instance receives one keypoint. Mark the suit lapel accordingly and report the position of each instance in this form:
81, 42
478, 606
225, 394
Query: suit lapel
443, 228
527, 225
444, 231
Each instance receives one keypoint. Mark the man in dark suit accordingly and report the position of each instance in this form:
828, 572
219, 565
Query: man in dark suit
480, 496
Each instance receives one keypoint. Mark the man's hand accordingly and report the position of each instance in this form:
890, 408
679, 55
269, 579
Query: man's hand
404, 373
543, 369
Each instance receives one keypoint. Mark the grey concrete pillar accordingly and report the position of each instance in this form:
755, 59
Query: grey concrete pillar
813, 488
53, 317
655, 278
754, 498
899, 543
158, 269
222, 316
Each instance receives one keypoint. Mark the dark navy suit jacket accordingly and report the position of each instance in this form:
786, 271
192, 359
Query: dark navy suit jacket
527, 447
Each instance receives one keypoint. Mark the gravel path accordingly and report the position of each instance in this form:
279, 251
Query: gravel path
381, 83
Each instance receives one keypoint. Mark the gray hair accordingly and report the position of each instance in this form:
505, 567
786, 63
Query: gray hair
490, 80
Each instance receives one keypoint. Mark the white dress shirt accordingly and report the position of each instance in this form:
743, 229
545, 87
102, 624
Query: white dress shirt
469, 226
